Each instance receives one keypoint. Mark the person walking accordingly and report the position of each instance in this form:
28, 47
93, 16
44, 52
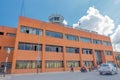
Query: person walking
72, 68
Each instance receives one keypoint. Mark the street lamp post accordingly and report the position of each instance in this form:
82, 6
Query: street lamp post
5, 68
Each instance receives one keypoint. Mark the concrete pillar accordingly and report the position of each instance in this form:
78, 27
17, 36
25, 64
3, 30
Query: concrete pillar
81, 58
94, 57
104, 60
43, 58
64, 58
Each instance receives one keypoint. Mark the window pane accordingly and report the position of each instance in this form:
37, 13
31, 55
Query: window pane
97, 41
53, 64
53, 48
83, 39
27, 64
29, 46
72, 50
29, 30
54, 34
73, 63
71, 37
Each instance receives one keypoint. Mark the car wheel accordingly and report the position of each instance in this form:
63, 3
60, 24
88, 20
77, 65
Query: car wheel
101, 73
112, 72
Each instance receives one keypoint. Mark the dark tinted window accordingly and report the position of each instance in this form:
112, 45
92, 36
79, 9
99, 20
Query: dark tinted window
1, 33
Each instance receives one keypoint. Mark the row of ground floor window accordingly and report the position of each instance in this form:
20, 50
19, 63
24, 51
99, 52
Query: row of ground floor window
32, 64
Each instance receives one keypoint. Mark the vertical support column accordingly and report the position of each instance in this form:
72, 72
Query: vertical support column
104, 56
94, 57
43, 54
64, 58
81, 58
114, 59
43, 58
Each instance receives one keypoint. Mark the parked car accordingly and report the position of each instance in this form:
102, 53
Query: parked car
107, 68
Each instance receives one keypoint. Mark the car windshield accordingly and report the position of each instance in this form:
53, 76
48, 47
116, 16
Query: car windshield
104, 65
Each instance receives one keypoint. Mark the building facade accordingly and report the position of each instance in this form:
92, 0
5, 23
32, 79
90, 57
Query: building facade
38, 46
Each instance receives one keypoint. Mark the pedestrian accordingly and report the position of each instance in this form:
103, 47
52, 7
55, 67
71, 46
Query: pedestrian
89, 69
72, 69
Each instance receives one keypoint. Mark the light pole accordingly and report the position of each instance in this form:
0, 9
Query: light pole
5, 68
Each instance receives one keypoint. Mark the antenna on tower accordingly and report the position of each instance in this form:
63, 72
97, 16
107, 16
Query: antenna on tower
22, 12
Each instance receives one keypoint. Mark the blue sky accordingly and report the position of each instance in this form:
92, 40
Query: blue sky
102, 16
72, 10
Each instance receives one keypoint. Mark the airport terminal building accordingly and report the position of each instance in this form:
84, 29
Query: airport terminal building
38, 46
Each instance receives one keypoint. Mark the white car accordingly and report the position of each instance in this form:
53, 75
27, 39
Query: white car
107, 68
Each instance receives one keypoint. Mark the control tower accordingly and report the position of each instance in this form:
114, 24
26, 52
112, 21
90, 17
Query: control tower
56, 18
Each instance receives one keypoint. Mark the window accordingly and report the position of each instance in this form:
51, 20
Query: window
72, 50
9, 65
97, 41
1, 33
53, 64
29, 46
74, 63
51, 48
11, 48
27, 64
106, 43
86, 51
11, 34
71, 37
108, 52
112, 62
88, 63
54, 34
83, 39
29, 30
56, 18
0, 47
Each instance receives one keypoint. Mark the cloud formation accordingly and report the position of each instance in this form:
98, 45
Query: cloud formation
95, 21
65, 22
116, 38
102, 24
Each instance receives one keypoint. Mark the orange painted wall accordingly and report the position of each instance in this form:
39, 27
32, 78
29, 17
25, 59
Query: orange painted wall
32, 55
6, 41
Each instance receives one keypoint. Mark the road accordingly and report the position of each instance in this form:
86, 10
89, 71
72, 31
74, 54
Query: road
64, 76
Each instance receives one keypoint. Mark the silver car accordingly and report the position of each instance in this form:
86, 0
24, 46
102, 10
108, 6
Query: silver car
107, 68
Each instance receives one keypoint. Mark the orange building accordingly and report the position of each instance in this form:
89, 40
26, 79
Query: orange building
38, 46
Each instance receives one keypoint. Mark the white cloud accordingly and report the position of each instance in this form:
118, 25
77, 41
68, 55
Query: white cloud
96, 22
65, 22
102, 24
116, 39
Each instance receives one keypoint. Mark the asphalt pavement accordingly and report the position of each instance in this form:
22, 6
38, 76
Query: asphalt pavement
94, 75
